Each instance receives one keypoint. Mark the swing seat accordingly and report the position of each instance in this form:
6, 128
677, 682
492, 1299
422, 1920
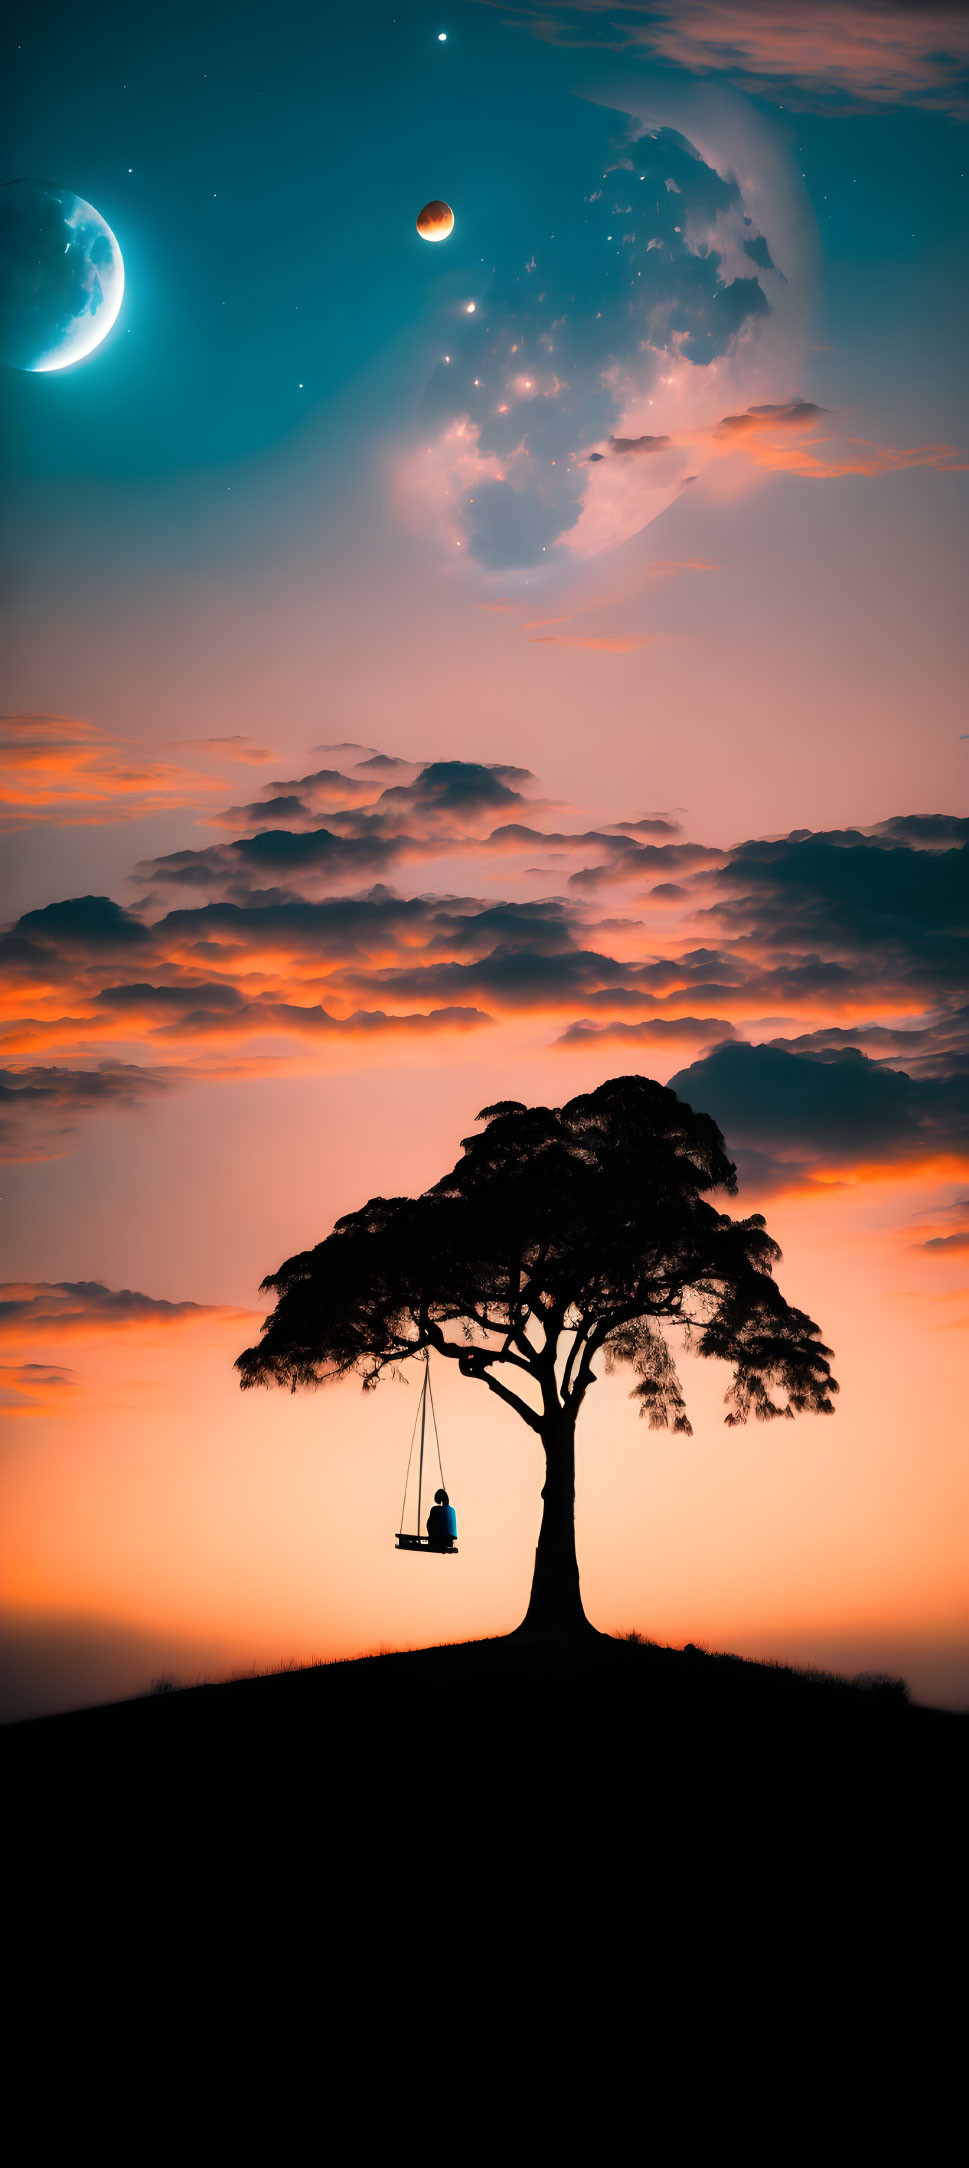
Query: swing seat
423, 1543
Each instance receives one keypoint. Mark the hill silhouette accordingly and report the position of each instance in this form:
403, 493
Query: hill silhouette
491, 1710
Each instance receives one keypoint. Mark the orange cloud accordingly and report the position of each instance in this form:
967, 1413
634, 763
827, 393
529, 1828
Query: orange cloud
784, 438
56, 768
35, 1388
46, 1311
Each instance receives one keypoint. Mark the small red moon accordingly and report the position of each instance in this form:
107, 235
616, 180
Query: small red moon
435, 221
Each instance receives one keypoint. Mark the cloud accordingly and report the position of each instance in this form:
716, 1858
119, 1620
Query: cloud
48, 1310
324, 788
445, 802
277, 809
882, 52
937, 831
61, 770
653, 827
84, 925
269, 1018
957, 1240
784, 439
239, 868
509, 976
38, 1106
34, 1388
836, 1108
656, 1034
638, 445
833, 964
760, 420
333, 926
904, 909
462, 793
935, 1048
845, 54
630, 860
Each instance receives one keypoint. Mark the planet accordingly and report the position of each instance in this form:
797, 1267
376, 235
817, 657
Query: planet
435, 221
61, 276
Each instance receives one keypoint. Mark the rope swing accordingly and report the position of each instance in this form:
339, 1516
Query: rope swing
442, 1524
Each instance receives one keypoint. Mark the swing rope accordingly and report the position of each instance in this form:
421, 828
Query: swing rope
426, 1393
410, 1456
437, 1437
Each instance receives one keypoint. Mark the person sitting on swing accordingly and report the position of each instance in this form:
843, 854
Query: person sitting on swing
442, 1526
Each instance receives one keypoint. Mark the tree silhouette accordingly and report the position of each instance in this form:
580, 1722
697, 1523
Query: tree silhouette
562, 1235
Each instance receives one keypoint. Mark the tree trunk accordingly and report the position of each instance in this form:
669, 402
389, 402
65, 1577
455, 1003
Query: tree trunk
555, 1610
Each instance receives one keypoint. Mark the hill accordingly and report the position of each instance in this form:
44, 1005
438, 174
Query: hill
607, 1704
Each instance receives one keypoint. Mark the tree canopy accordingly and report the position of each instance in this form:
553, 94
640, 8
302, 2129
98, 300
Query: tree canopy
586, 1224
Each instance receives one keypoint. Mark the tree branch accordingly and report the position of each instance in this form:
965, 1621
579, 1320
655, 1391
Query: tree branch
580, 1332
475, 1361
504, 1393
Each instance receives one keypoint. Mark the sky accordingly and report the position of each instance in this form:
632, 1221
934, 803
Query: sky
437, 674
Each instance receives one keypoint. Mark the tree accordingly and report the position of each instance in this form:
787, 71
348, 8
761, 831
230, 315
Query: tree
561, 1236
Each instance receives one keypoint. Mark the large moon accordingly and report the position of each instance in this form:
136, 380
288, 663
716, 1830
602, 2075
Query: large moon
435, 221
61, 276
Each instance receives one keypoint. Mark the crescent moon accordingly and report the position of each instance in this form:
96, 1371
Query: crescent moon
61, 277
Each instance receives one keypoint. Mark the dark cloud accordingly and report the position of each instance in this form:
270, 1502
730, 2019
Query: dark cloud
240, 867
49, 1309
38, 1105
656, 1033
384, 764
446, 800
336, 926
653, 827
514, 976
460, 789
620, 445
833, 1108
935, 1048
904, 910
276, 809
550, 926
87, 925
266, 1018
632, 861
792, 414
193, 994
325, 785
933, 831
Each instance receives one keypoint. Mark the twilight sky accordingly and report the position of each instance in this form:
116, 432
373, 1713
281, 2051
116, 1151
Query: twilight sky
437, 674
